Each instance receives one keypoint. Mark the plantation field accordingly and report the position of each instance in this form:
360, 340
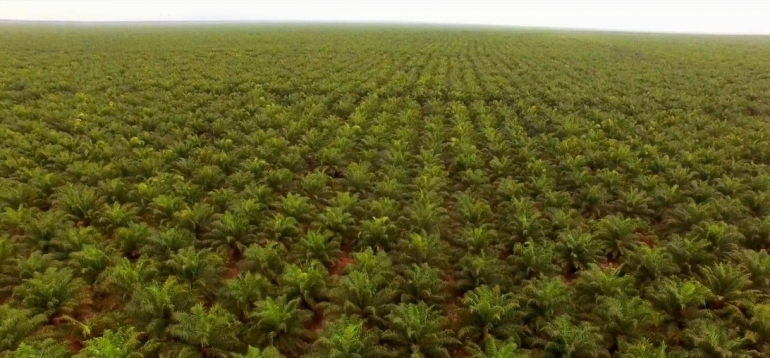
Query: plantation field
342, 191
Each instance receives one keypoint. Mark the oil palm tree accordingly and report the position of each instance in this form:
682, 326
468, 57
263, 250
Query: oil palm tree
279, 322
731, 288
625, 318
422, 247
577, 250
648, 264
53, 292
80, 203
680, 301
198, 218
618, 234
534, 259
486, 313
596, 282
211, 332
421, 283
364, 294
475, 270
498, 349
240, 293
757, 264
319, 245
544, 299
710, 339
151, 306
419, 330
123, 343
48, 348
252, 352
570, 340
267, 260
643, 348
307, 282
349, 338
90, 262
230, 232
123, 278
200, 268
16, 325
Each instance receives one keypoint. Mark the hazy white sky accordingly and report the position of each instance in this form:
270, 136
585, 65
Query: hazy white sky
725, 17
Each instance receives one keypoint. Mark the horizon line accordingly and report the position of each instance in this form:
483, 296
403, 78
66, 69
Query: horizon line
365, 23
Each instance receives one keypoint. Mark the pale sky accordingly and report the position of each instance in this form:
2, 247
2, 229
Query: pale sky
718, 17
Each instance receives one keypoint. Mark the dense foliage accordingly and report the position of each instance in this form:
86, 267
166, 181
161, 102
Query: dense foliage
382, 192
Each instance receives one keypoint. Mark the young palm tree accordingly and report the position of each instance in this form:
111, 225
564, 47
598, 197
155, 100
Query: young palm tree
472, 209
725, 239
16, 325
165, 206
689, 253
681, 301
534, 259
267, 260
475, 239
116, 215
498, 349
296, 206
596, 282
425, 213
757, 264
53, 292
211, 332
166, 242
378, 231
336, 219
280, 323
758, 325
363, 294
642, 348
123, 343
488, 313
374, 264
282, 228
230, 232
48, 348
123, 278
648, 264
731, 288
421, 283
347, 337
8, 277
319, 245
200, 268
419, 330
239, 294
710, 339
269, 352
90, 262
151, 306
419, 248
622, 317
198, 218
569, 340
131, 239
80, 203
307, 283
543, 300
475, 270
618, 235
577, 250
